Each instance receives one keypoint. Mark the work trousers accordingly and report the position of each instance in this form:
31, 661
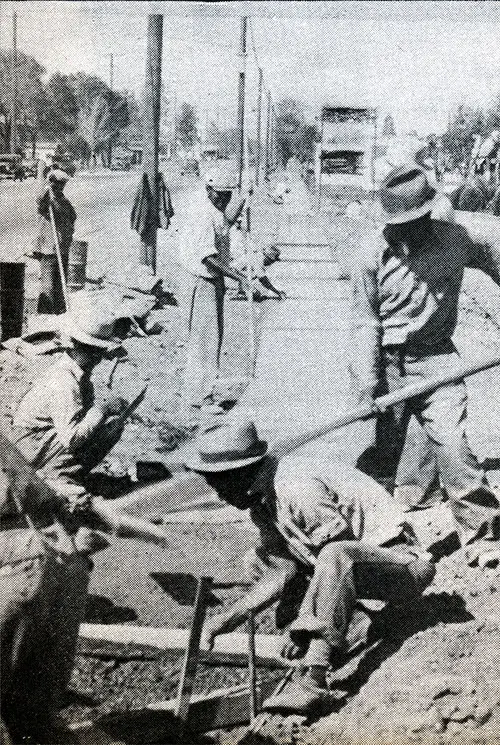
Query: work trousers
51, 299
204, 307
443, 414
42, 603
346, 571
325, 615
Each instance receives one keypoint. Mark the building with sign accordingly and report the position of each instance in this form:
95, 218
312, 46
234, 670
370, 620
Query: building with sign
345, 156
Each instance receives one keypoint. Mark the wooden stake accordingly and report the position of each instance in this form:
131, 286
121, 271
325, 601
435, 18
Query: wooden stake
252, 667
192, 652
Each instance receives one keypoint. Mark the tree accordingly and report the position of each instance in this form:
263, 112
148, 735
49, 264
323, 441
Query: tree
102, 113
60, 117
30, 96
187, 131
294, 137
459, 137
388, 129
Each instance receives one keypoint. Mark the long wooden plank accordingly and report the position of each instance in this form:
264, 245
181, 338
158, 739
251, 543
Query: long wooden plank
230, 647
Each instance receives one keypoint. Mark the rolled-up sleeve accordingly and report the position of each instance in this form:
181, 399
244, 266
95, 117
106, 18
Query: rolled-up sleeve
366, 325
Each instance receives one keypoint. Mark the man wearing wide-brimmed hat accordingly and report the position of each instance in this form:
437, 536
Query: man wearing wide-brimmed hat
342, 518
406, 286
59, 428
63, 434
51, 198
205, 257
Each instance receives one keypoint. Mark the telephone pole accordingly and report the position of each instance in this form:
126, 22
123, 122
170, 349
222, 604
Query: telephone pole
241, 98
13, 126
259, 128
268, 135
151, 137
111, 72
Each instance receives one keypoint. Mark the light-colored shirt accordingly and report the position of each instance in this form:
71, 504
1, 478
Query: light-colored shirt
205, 233
410, 297
56, 418
329, 501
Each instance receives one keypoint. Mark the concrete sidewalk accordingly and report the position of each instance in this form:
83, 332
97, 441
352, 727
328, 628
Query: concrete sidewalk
302, 378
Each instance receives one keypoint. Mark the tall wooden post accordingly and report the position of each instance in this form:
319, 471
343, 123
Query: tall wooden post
241, 99
268, 134
13, 128
259, 128
151, 133
111, 76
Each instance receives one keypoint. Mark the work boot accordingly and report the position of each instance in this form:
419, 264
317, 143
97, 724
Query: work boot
300, 697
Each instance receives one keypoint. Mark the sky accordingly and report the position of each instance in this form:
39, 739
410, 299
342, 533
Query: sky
417, 60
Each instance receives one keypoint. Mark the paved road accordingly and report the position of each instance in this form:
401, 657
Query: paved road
103, 202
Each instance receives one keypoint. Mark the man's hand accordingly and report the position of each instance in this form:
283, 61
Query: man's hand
281, 295
113, 428
367, 399
291, 650
218, 624
114, 406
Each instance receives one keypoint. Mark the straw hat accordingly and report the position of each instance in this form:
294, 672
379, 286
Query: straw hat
221, 178
405, 195
224, 447
90, 322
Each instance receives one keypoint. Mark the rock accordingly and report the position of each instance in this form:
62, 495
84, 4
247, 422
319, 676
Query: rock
482, 714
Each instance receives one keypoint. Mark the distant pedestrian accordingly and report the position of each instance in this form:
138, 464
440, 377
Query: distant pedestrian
406, 287
51, 198
205, 256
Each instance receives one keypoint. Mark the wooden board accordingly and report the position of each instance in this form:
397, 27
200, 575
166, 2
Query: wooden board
228, 647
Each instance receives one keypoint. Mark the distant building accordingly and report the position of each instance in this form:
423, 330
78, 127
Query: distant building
345, 156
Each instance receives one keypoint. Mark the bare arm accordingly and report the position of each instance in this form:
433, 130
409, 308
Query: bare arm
262, 595
215, 263
235, 206
266, 282
367, 328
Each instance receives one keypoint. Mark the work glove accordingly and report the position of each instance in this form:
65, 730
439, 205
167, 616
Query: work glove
112, 428
292, 650
367, 399
281, 295
218, 624
264, 481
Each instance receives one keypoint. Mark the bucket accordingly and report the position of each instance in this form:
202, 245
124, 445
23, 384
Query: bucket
11, 299
77, 265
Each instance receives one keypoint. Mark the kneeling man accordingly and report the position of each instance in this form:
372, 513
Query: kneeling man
349, 526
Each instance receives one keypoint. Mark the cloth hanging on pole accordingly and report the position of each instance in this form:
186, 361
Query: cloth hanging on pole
143, 215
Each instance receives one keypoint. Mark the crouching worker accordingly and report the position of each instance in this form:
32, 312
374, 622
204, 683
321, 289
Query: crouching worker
354, 534
58, 427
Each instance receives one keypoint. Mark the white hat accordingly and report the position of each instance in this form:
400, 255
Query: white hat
90, 322
221, 178
57, 174
225, 447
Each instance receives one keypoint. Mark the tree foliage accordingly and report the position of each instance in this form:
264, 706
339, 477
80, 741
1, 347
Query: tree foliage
462, 127
294, 137
187, 130
31, 97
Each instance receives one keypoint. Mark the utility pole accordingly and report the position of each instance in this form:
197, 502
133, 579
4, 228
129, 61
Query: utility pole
151, 136
111, 71
268, 135
13, 126
241, 99
259, 128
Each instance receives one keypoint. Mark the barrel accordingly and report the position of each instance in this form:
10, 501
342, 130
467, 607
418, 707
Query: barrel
77, 265
11, 299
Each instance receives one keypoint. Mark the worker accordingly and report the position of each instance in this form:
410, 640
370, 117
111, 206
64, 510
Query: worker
58, 427
205, 257
345, 520
406, 285
51, 198
473, 195
62, 433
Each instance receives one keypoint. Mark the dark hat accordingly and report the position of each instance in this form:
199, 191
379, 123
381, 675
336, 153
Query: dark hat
405, 194
224, 447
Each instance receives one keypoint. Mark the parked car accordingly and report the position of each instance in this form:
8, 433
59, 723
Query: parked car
11, 166
30, 166
121, 163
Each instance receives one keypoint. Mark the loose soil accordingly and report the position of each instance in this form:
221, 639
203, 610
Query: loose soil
436, 676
